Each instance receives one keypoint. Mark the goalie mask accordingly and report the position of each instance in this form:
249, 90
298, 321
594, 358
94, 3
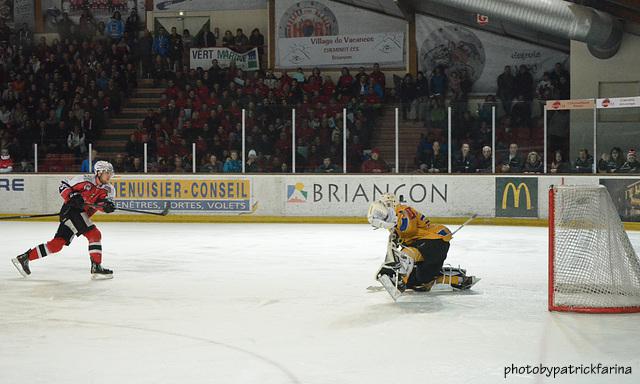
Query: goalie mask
389, 200
381, 216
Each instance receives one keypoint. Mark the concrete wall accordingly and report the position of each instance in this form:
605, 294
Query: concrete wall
615, 77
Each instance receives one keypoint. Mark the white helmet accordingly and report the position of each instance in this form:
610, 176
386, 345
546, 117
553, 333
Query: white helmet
389, 200
103, 166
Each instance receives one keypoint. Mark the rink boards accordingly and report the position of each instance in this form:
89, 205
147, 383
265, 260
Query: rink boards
313, 198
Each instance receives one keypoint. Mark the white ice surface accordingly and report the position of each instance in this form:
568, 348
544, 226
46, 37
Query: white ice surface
267, 303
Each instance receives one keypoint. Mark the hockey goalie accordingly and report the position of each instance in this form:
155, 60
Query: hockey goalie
416, 251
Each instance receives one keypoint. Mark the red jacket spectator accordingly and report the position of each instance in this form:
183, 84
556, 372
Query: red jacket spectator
375, 164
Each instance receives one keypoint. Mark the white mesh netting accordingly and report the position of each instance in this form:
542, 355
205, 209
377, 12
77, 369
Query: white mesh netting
595, 265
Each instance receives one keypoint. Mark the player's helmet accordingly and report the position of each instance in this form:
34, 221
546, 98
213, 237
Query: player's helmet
389, 200
103, 166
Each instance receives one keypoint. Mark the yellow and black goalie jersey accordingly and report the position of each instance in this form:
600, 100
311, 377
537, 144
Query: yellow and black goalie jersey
413, 225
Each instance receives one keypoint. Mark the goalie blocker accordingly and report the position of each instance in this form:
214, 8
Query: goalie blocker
416, 251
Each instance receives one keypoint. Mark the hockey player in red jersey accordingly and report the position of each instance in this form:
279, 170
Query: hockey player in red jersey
83, 196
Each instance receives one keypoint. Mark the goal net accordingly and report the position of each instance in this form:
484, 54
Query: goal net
592, 264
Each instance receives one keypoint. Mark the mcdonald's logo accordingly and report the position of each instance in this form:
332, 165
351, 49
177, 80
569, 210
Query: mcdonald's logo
524, 202
516, 195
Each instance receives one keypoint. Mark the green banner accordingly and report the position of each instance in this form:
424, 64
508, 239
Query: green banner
516, 197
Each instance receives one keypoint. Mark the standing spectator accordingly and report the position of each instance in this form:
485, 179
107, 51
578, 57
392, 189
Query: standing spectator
533, 164
240, 41
6, 164
407, 94
377, 76
584, 162
232, 165
327, 166
145, 50
252, 162
438, 83
558, 72
257, 41
133, 23
563, 89
435, 161
505, 89
115, 27
345, 83
513, 162
558, 165
523, 83
631, 165
485, 163
65, 27
188, 42
464, 162
175, 49
207, 39
227, 40
545, 89
422, 96
161, 43
375, 164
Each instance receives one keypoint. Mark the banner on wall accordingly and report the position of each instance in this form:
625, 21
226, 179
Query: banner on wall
208, 5
203, 57
382, 48
331, 34
442, 196
23, 12
185, 196
52, 10
619, 102
482, 55
625, 194
516, 197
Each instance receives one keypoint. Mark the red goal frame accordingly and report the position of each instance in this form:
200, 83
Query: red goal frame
566, 308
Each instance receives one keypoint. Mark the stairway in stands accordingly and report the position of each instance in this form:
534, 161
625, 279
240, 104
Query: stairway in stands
384, 138
115, 135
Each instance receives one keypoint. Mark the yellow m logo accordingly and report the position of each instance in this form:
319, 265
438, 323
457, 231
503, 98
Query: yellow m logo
516, 195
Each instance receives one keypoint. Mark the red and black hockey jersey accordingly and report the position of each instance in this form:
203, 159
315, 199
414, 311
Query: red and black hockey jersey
91, 192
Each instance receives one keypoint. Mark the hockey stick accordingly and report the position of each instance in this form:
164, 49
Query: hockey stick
465, 223
164, 212
29, 216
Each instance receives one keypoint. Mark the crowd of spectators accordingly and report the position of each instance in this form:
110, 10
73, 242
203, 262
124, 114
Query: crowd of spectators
205, 107
59, 94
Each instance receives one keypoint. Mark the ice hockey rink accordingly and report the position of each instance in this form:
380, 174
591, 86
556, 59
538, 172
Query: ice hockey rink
287, 303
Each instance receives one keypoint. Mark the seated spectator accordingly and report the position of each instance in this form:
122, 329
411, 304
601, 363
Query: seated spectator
615, 160
6, 164
118, 164
464, 162
84, 168
533, 163
76, 142
436, 162
135, 166
232, 164
631, 165
178, 166
513, 163
327, 166
558, 165
375, 164
212, 166
485, 162
252, 162
584, 162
